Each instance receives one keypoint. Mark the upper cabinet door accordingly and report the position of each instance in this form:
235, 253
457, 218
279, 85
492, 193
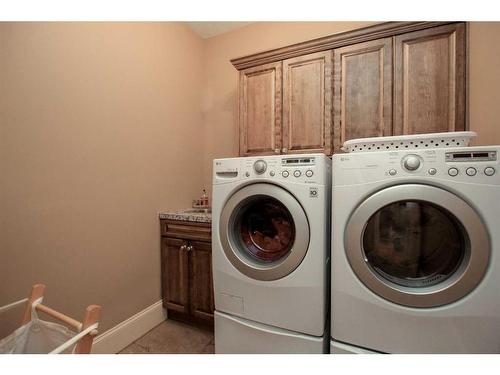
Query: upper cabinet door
307, 103
430, 80
260, 110
363, 91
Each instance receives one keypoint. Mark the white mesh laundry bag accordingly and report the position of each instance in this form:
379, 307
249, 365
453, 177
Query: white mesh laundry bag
36, 337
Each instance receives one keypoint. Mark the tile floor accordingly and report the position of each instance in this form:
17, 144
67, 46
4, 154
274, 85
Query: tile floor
171, 337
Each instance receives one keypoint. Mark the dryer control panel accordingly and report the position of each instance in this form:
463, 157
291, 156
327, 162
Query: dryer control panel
307, 169
465, 164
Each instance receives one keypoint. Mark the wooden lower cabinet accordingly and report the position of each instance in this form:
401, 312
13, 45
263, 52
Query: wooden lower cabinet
201, 296
175, 270
186, 276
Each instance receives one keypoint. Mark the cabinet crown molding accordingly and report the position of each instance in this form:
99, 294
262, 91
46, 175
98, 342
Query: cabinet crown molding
341, 39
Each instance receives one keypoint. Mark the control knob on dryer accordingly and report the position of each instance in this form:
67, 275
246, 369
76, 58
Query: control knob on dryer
411, 162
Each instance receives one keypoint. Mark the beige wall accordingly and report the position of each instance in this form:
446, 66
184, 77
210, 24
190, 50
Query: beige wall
104, 125
221, 78
484, 81
98, 133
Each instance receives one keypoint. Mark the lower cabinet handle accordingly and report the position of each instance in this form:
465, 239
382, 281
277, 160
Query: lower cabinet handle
183, 247
189, 248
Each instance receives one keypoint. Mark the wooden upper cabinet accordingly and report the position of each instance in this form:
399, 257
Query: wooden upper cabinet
307, 103
430, 80
362, 91
260, 109
386, 79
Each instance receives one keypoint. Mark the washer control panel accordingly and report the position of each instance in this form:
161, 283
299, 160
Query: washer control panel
309, 169
298, 167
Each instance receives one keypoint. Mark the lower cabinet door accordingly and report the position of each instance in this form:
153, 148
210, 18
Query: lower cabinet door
175, 275
201, 284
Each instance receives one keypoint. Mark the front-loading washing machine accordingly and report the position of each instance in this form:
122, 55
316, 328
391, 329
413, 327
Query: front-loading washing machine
415, 251
270, 252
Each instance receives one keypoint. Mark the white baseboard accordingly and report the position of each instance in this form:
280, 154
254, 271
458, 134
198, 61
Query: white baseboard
126, 332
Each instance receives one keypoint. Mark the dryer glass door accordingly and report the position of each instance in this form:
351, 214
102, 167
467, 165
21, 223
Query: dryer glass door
417, 245
264, 231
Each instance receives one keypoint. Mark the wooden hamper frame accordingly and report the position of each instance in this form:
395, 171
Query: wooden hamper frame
92, 315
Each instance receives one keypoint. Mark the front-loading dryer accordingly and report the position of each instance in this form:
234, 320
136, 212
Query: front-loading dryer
270, 246
415, 263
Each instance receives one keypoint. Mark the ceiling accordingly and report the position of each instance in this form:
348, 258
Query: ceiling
208, 29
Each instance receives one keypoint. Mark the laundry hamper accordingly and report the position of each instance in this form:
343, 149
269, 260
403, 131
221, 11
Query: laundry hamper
36, 336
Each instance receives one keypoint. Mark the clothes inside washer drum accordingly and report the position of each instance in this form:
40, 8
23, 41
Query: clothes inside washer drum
267, 230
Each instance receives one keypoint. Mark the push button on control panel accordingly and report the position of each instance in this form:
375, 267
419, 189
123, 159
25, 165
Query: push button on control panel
393, 172
453, 172
297, 173
432, 171
489, 171
285, 174
272, 173
471, 171
309, 173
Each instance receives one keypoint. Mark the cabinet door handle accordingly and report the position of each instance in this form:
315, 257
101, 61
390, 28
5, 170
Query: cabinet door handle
285, 150
189, 248
183, 247
276, 150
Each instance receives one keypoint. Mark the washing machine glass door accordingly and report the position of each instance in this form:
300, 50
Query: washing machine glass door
264, 231
417, 245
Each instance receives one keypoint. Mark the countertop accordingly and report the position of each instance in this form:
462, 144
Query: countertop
187, 215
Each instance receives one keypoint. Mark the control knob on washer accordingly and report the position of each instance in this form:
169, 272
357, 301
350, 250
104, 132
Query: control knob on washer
411, 162
260, 166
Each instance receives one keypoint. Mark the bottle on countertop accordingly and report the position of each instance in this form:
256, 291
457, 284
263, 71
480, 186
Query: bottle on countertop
204, 198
